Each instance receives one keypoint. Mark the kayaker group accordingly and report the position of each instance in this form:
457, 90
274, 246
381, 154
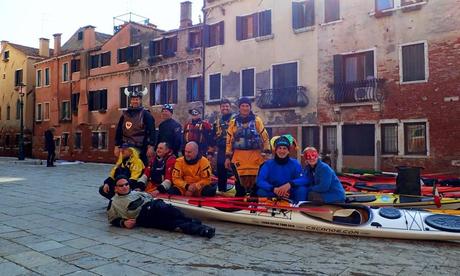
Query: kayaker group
178, 163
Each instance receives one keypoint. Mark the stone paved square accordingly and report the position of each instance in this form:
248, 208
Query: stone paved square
68, 234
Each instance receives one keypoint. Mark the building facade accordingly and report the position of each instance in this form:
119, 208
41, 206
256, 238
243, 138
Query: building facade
17, 75
267, 51
389, 84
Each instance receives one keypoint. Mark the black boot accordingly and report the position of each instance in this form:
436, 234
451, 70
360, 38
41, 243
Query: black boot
207, 232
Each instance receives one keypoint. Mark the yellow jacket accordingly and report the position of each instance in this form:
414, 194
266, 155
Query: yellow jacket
233, 128
198, 173
134, 164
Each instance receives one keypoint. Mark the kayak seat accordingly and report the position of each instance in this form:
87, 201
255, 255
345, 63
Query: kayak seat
367, 198
347, 216
390, 213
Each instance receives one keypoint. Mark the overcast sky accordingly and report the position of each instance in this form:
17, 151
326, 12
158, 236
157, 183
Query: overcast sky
25, 21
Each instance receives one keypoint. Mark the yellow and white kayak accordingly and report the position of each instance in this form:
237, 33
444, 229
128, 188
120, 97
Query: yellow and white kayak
344, 219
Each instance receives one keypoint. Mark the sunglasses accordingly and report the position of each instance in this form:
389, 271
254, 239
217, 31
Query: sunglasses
123, 185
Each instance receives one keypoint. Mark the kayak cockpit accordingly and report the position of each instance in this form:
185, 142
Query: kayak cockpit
342, 214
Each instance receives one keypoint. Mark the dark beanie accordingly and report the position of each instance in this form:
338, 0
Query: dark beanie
244, 100
282, 141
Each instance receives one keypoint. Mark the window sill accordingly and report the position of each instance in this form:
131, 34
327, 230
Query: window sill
413, 82
406, 8
265, 37
331, 23
304, 29
213, 102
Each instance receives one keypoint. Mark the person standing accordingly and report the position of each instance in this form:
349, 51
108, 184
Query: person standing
220, 138
170, 131
136, 127
248, 146
198, 131
50, 146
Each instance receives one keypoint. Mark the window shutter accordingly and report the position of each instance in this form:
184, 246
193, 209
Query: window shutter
296, 15
103, 99
338, 69
151, 48
152, 94
189, 89
73, 66
122, 97
174, 44
239, 28
206, 35
130, 54
91, 101
174, 89
310, 13
370, 64
265, 21
163, 93
221, 33
255, 20
200, 88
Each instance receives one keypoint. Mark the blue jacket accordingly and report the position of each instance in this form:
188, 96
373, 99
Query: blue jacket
325, 182
272, 174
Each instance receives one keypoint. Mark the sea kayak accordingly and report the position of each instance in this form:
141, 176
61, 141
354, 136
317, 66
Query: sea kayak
343, 219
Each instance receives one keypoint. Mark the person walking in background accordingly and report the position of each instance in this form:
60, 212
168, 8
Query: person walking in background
50, 146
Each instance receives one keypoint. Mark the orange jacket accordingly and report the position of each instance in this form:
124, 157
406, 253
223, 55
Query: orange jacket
198, 173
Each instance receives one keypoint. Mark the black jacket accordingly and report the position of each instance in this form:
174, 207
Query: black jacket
49, 141
170, 131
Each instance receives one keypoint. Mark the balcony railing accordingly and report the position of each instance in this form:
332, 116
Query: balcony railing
283, 97
357, 91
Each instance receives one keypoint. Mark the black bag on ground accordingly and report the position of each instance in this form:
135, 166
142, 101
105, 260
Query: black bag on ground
408, 183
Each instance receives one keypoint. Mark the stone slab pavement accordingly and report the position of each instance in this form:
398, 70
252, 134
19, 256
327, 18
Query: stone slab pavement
52, 222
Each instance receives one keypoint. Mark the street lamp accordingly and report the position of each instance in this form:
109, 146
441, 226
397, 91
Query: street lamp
21, 155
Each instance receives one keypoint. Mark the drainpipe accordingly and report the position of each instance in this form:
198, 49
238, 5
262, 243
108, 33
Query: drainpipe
203, 57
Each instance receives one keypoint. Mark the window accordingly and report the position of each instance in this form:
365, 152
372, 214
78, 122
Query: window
75, 99
65, 110
18, 109
329, 139
8, 111
155, 47
105, 59
39, 115
331, 10
214, 87
65, 72
18, 77
194, 40
47, 76
130, 54
194, 89
414, 62
359, 66
214, 34
6, 55
65, 139
382, 5
310, 137
285, 75
248, 82
99, 140
80, 35
94, 61
124, 100
97, 100
163, 92
170, 48
303, 14
38, 81
75, 65
389, 138
77, 141
254, 25
415, 138
46, 112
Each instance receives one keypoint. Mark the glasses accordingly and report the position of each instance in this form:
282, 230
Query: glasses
123, 185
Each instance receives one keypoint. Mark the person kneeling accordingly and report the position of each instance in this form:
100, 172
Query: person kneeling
192, 174
129, 164
130, 208
323, 184
281, 176
158, 175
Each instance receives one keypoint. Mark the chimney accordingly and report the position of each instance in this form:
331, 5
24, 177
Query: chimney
4, 42
57, 44
44, 47
89, 37
185, 14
